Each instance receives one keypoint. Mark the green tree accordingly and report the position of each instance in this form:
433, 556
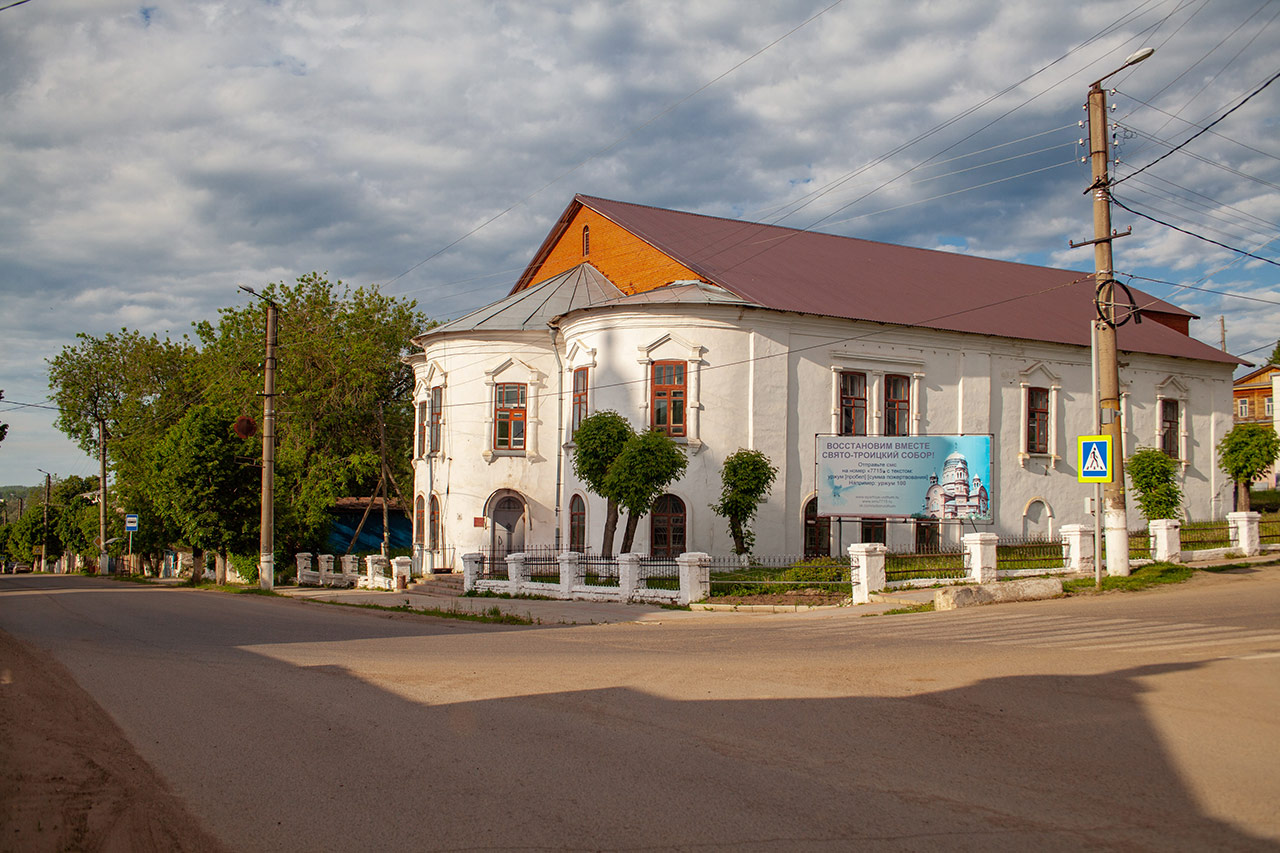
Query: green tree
1245, 453
1153, 474
598, 441
4, 428
648, 463
746, 478
202, 484
75, 522
1275, 355
339, 369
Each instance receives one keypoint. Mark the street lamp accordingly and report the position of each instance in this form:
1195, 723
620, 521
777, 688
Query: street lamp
1107, 404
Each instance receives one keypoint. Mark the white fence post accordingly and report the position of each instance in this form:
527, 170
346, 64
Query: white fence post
517, 574
628, 575
402, 571
695, 576
471, 564
1166, 539
1079, 539
981, 548
324, 565
570, 572
303, 562
1245, 533
866, 570
351, 569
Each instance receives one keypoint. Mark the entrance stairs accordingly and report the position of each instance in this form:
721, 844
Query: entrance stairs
439, 586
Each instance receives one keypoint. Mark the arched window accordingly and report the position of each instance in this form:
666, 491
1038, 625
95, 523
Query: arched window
577, 524
433, 538
507, 527
666, 531
817, 531
586, 240
419, 518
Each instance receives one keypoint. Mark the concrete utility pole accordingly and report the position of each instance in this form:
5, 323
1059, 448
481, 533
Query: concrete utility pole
267, 564
1115, 516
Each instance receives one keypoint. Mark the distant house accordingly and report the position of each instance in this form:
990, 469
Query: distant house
1253, 396
727, 334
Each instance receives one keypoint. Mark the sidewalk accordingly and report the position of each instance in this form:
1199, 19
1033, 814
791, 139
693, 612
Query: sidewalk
555, 612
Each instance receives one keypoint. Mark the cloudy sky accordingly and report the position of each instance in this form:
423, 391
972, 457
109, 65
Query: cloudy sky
153, 158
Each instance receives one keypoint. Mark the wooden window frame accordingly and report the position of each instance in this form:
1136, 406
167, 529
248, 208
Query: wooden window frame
436, 410
853, 406
510, 410
586, 240
433, 524
673, 526
817, 531
580, 398
897, 410
422, 428
668, 400
577, 524
1038, 420
1170, 429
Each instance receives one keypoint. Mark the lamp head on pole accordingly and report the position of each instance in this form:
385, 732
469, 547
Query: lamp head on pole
1134, 58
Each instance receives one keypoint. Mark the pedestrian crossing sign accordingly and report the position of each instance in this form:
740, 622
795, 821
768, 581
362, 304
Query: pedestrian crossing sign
1094, 459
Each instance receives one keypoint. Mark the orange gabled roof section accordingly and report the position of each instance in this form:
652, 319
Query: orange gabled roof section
632, 264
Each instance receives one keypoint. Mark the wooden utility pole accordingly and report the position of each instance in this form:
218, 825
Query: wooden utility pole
382, 453
1115, 516
102, 495
44, 547
267, 536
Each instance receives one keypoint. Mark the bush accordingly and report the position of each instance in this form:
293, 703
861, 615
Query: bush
1154, 476
245, 565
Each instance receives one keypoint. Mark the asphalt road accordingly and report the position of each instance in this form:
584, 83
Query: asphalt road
1129, 721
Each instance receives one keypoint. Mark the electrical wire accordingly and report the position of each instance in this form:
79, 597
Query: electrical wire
1124, 206
1201, 132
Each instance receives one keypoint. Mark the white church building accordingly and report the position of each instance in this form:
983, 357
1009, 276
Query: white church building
727, 334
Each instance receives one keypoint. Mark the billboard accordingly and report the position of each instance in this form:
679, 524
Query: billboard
917, 476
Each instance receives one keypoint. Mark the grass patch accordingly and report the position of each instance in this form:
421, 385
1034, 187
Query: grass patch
1155, 574
488, 593
926, 607
494, 615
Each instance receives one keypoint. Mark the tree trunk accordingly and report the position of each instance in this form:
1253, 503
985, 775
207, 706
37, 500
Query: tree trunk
739, 538
1242, 492
220, 568
610, 527
629, 535
197, 566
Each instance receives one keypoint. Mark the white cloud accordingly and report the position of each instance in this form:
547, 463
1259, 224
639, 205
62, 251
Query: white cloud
152, 161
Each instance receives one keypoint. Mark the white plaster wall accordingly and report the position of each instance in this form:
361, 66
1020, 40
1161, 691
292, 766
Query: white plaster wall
764, 380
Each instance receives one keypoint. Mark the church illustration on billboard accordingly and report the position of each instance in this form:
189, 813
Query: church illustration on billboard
955, 496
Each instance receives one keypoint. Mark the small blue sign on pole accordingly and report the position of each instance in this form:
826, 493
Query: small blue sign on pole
131, 523
1094, 459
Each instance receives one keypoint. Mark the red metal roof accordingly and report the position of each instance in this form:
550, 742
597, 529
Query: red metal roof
812, 273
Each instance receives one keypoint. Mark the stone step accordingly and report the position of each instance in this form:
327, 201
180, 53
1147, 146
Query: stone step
443, 584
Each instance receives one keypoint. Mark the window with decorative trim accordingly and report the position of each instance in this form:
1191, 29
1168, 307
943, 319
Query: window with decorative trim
1269, 408
422, 429
1037, 420
666, 527
586, 240
1170, 424
1242, 406
853, 403
437, 412
419, 520
577, 524
509, 401
897, 404
433, 525
817, 531
668, 396
581, 380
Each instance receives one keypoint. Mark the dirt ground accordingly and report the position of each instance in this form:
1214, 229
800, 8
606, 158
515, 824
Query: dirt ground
69, 779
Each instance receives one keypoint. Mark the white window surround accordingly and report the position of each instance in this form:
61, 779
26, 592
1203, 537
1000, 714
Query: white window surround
435, 377
1039, 376
517, 372
1270, 408
1242, 407
1173, 389
876, 367
677, 348
577, 357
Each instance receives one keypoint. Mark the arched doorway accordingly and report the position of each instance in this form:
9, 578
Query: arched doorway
666, 527
507, 521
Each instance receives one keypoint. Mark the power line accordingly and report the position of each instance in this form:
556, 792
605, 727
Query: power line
1199, 133
1192, 233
